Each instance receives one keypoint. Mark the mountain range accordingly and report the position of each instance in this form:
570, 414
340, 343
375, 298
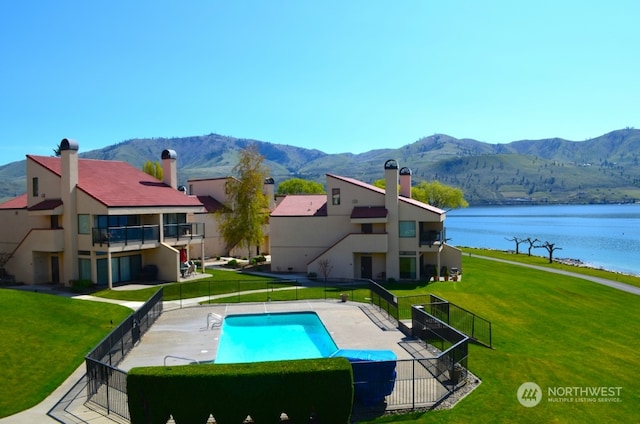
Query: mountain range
604, 169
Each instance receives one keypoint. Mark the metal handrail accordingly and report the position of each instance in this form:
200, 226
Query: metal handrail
179, 357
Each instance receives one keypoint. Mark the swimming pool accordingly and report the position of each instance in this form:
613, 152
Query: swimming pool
273, 337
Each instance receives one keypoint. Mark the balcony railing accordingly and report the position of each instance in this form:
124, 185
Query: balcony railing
431, 237
185, 231
138, 234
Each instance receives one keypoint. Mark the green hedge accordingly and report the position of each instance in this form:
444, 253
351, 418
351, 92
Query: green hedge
230, 392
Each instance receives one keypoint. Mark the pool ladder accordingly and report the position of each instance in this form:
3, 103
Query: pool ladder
213, 320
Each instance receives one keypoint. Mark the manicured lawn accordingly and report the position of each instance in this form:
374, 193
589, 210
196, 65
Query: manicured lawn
218, 282
553, 330
544, 261
44, 339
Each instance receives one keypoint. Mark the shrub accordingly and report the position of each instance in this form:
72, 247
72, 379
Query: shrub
81, 286
312, 276
261, 389
233, 263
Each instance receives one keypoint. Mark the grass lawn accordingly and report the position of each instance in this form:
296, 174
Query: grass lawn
219, 282
544, 261
551, 329
44, 339
554, 330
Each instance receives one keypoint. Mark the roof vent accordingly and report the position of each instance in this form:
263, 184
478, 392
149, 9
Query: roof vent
391, 164
67, 144
169, 154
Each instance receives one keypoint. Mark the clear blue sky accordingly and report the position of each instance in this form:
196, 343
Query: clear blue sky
339, 76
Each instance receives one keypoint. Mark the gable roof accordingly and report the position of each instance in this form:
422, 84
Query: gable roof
407, 200
118, 184
302, 205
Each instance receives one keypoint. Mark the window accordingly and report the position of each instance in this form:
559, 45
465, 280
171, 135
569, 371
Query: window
34, 186
335, 196
84, 268
407, 228
108, 221
367, 228
174, 218
408, 268
84, 224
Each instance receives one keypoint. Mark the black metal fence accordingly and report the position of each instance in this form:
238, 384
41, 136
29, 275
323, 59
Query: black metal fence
453, 345
417, 383
106, 384
478, 328
451, 363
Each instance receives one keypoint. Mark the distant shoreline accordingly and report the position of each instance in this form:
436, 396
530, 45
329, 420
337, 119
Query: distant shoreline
564, 261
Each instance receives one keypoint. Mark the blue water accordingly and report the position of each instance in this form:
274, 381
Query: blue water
602, 236
273, 337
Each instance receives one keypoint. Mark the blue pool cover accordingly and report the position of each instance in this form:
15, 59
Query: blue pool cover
374, 373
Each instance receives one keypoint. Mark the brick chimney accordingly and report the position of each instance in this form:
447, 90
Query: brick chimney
169, 168
405, 182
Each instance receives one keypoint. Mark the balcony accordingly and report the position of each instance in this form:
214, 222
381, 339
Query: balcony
185, 231
47, 240
429, 238
119, 236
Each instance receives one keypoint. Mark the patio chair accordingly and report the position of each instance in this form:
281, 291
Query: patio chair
191, 270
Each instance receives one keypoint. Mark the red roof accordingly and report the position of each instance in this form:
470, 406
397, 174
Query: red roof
19, 202
118, 184
302, 205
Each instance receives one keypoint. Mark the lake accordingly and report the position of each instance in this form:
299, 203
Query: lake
602, 236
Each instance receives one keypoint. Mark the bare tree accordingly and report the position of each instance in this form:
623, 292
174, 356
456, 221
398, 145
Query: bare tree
4, 258
551, 247
532, 243
518, 242
325, 268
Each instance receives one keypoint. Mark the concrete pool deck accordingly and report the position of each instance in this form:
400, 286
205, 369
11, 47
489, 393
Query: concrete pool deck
181, 336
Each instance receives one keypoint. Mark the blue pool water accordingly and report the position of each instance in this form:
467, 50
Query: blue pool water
273, 337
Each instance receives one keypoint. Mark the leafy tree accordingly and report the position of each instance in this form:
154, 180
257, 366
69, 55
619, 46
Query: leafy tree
248, 205
434, 193
56, 150
153, 168
381, 183
300, 186
439, 195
